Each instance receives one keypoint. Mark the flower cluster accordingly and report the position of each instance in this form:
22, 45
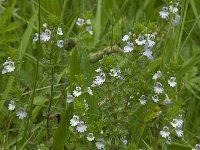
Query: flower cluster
171, 11
100, 79
9, 66
21, 113
47, 35
87, 24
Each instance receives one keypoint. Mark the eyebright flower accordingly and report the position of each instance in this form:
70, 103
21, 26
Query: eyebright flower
179, 131
59, 31
165, 132
177, 123
125, 38
81, 127
149, 40
169, 140
172, 81
89, 30
90, 137
115, 73
21, 114
155, 98
77, 92
197, 147
46, 36
99, 80
143, 100
129, 47
148, 54
157, 75
140, 40
70, 98
60, 43
11, 106
36, 37
74, 121
80, 22
173, 8
89, 91
167, 100
9, 66
158, 88
164, 14
100, 144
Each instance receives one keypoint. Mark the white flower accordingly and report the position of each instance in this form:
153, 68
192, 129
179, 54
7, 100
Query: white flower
177, 123
81, 127
143, 100
157, 75
36, 37
89, 30
148, 54
197, 147
98, 70
77, 92
172, 81
179, 132
90, 137
129, 47
140, 40
115, 73
164, 14
11, 106
99, 80
74, 121
59, 31
88, 21
165, 132
125, 38
155, 98
173, 8
70, 98
9, 66
167, 100
100, 144
21, 114
158, 88
169, 140
149, 41
177, 19
60, 43
46, 36
89, 91
80, 22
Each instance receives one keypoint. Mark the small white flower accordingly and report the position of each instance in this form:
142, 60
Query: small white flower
80, 22
46, 36
59, 31
155, 98
70, 98
148, 54
115, 73
179, 132
169, 140
149, 41
88, 21
11, 106
177, 123
176, 20
125, 38
98, 70
173, 8
167, 100
143, 100
36, 37
172, 81
99, 80
21, 114
158, 88
90, 137
89, 91
157, 75
164, 14
89, 30
81, 127
74, 121
197, 147
9, 66
77, 92
140, 40
100, 144
60, 43
165, 132
129, 47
